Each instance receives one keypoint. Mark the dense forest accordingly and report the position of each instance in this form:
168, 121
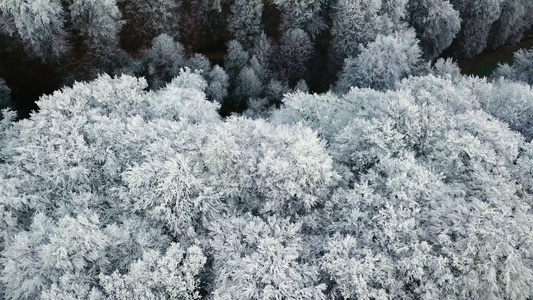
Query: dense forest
275, 149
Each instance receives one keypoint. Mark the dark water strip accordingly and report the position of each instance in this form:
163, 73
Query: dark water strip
485, 64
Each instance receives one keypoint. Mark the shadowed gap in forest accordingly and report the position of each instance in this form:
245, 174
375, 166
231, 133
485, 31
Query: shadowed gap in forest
29, 79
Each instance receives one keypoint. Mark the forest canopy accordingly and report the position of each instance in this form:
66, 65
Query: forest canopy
328, 153
265, 47
114, 192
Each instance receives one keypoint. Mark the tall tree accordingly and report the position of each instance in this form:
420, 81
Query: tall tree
38, 24
356, 23
436, 23
144, 20
163, 60
511, 102
98, 22
246, 22
383, 62
295, 53
511, 24
307, 15
396, 11
218, 83
477, 19
521, 68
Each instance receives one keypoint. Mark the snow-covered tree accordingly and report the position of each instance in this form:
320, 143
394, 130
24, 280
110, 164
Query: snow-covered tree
318, 109
149, 19
521, 68
307, 15
408, 181
265, 55
454, 94
295, 52
396, 11
49, 250
383, 62
436, 22
98, 22
217, 88
477, 20
173, 275
38, 24
511, 102
72, 217
262, 259
163, 60
301, 86
246, 21
356, 23
118, 191
422, 168
512, 23
200, 63
249, 85
446, 67
236, 59
524, 171
275, 90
